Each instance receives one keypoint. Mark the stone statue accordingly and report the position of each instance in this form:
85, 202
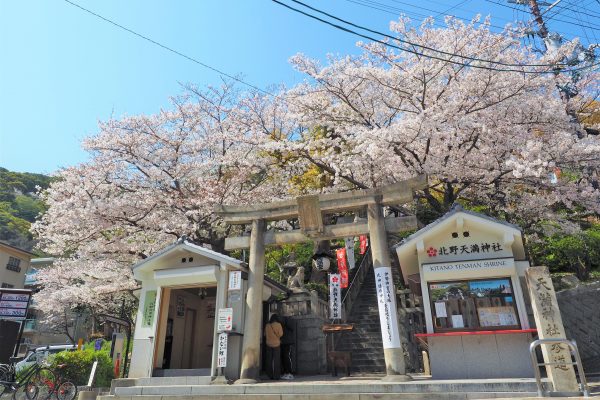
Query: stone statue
296, 282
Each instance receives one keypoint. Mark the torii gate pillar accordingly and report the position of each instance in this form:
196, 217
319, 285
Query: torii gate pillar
392, 347
250, 370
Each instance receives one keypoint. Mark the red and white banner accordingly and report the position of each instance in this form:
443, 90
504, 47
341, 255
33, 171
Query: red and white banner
342, 267
335, 297
364, 242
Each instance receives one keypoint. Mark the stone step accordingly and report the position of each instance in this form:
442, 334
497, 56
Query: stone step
340, 396
360, 357
326, 386
358, 344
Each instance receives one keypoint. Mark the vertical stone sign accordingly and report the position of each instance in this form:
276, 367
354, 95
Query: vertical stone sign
549, 325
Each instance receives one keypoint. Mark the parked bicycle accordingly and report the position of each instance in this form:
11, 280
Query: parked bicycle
34, 383
64, 389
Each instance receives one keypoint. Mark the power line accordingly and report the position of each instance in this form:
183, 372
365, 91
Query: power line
396, 11
445, 12
556, 19
348, 30
170, 49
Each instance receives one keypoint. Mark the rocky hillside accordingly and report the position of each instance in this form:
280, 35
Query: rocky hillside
19, 205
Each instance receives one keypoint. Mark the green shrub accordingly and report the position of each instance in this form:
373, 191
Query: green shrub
578, 253
79, 365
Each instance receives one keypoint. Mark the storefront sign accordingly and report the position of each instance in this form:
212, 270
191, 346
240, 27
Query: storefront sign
335, 297
504, 265
222, 350
364, 243
387, 307
235, 280
342, 267
14, 304
349, 242
225, 320
149, 306
549, 325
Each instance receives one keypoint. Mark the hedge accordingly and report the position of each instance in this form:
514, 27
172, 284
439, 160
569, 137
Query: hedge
79, 365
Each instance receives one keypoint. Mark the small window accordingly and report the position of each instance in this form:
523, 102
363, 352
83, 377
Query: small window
473, 305
7, 285
13, 264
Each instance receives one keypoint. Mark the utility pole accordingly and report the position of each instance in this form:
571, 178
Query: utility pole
535, 10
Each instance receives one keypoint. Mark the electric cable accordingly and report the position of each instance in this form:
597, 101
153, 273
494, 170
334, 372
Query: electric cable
560, 20
553, 66
170, 49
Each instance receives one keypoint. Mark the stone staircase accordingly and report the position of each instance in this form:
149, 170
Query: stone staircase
365, 341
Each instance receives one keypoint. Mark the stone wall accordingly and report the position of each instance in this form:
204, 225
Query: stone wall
580, 311
310, 345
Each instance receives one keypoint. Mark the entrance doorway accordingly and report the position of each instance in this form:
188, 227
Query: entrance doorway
186, 330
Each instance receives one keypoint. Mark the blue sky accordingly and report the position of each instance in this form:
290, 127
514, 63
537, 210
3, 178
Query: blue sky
63, 70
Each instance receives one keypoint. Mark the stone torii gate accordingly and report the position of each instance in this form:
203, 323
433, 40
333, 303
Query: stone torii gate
310, 210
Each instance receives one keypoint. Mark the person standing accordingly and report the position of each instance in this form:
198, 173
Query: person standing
287, 349
273, 334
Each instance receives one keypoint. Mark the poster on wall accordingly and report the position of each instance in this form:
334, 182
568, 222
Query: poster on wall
387, 307
235, 280
225, 320
497, 316
180, 306
210, 307
335, 297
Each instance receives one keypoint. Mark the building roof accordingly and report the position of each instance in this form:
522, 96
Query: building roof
456, 208
412, 247
9, 246
184, 244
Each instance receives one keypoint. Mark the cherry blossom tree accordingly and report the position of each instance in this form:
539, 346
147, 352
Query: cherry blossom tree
491, 137
150, 180
506, 140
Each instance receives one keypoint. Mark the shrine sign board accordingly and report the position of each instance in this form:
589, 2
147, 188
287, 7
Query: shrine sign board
549, 325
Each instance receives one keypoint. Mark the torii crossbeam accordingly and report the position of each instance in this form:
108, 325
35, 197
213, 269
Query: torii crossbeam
310, 210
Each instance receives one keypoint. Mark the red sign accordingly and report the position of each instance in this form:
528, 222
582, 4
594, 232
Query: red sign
363, 244
342, 267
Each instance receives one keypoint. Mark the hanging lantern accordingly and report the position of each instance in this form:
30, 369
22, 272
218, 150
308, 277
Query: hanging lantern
321, 262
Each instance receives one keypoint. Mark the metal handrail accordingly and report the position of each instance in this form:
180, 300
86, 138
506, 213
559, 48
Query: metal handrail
357, 275
573, 350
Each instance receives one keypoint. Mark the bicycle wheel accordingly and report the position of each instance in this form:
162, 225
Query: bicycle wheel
4, 377
45, 381
26, 392
66, 391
